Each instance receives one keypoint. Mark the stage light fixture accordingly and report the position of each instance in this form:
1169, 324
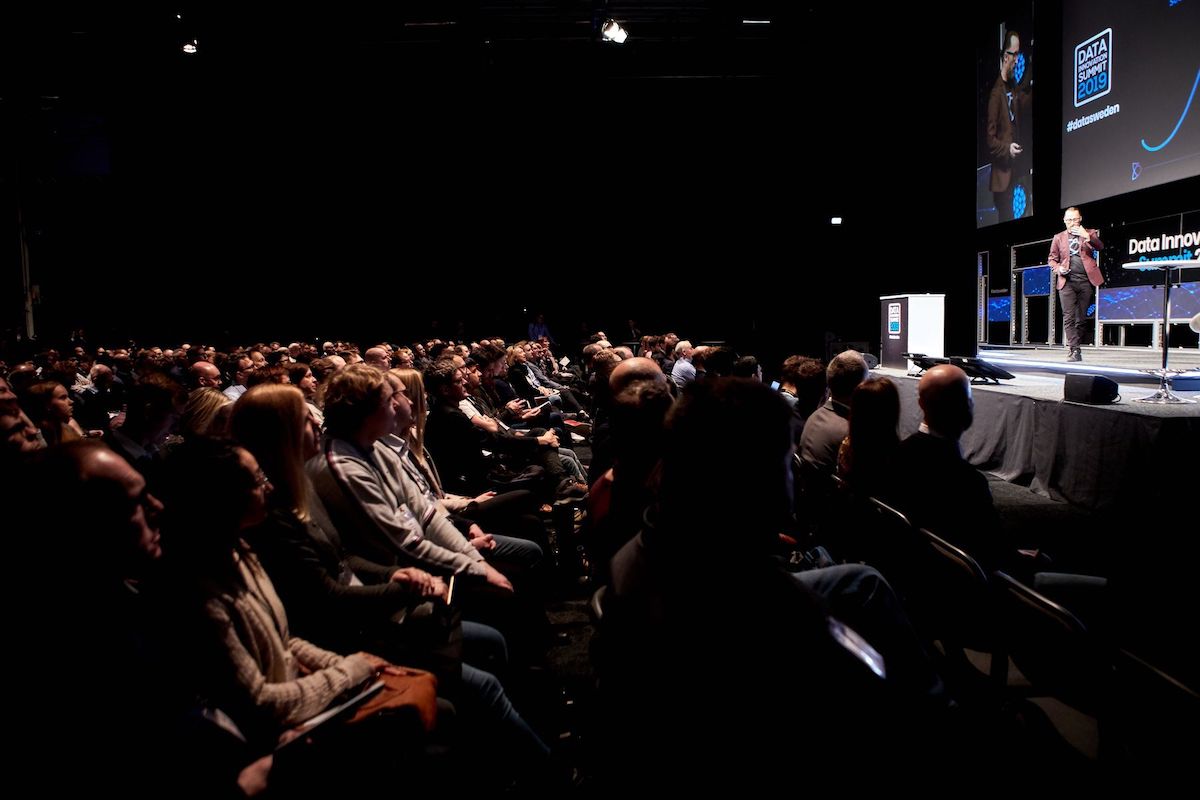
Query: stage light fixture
613, 32
979, 370
190, 47
835, 220
924, 362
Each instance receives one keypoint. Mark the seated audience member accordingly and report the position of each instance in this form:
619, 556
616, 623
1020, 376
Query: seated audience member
634, 447
206, 414
50, 407
867, 456
157, 740
812, 690
509, 512
525, 382
153, 405
747, 367
682, 370
254, 669
18, 434
802, 385
242, 367
343, 602
828, 425
938, 489
458, 444
301, 376
361, 482
204, 374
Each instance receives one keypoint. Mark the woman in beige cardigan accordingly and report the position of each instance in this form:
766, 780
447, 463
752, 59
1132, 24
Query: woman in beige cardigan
269, 680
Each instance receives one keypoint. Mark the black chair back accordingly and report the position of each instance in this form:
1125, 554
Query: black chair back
1050, 645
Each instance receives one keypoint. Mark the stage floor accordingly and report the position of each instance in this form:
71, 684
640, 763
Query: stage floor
1046, 383
1121, 364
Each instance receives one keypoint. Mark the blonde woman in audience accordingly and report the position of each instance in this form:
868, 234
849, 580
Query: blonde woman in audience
206, 414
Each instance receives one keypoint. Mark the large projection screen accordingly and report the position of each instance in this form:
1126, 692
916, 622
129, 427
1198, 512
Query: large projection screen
1130, 112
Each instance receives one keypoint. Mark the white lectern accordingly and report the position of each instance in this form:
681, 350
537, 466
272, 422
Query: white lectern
911, 323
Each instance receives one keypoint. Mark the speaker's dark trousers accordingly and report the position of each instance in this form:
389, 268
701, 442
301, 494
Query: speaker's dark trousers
1075, 297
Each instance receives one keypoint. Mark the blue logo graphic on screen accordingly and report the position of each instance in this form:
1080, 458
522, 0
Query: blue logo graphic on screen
1093, 67
1186, 108
1018, 201
1091, 312
1019, 68
999, 309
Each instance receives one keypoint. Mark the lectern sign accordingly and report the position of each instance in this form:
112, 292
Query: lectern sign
893, 320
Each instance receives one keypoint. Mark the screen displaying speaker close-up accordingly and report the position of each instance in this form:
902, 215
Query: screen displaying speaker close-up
1004, 117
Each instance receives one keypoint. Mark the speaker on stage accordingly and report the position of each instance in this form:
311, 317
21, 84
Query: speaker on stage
1094, 389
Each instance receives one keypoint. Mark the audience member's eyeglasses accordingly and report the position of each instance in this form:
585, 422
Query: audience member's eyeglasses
1013, 53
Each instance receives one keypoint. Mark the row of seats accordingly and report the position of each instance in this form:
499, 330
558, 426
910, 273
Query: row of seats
1034, 646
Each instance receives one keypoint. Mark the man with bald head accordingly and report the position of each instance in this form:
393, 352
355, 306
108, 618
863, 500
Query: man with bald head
167, 740
624, 374
631, 370
378, 357
940, 490
205, 374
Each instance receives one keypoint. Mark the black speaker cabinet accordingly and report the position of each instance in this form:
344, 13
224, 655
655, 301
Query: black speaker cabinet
1094, 389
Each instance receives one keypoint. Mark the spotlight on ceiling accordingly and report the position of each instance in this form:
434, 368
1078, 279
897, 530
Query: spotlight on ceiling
190, 48
835, 220
612, 32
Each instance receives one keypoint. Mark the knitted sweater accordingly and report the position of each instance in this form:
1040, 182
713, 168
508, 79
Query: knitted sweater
267, 660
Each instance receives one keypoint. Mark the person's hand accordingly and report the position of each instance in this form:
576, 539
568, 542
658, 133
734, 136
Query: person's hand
420, 581
493, 576
530, 413
1015, 149
514, 405
483, 498
479, 540
253, 779
382, 666
377, 664
1079, 230
549, 439
1064, 270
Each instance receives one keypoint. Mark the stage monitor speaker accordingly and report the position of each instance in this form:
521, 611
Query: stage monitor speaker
1093, 389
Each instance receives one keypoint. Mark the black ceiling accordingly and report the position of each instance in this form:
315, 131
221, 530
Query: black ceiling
358, 137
